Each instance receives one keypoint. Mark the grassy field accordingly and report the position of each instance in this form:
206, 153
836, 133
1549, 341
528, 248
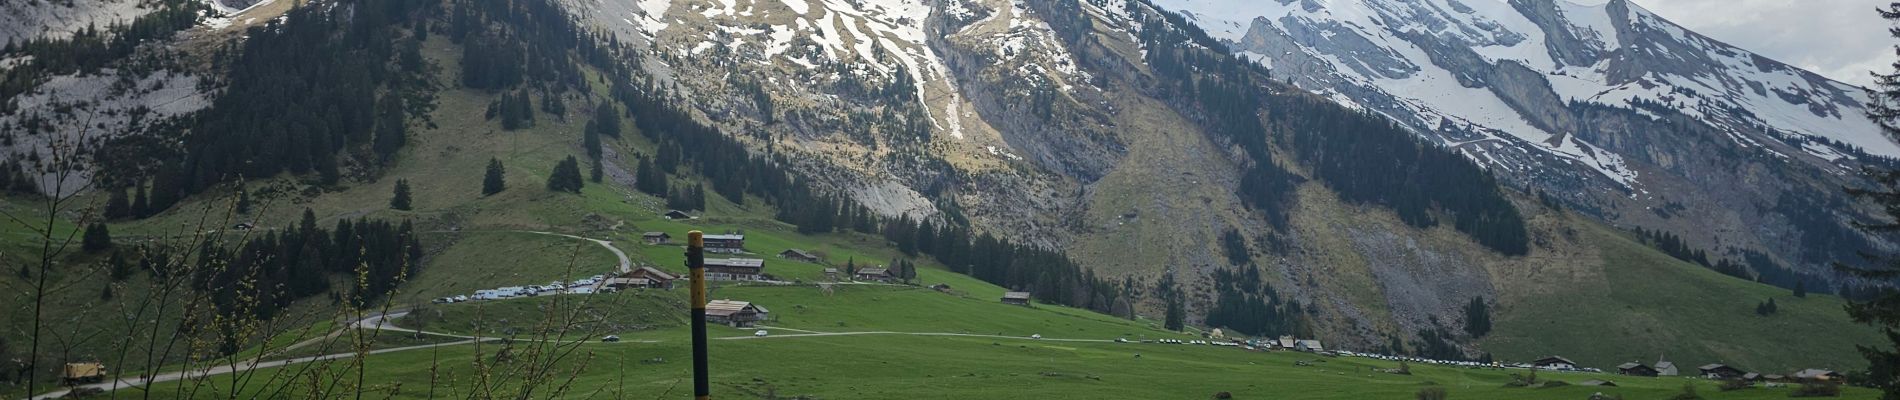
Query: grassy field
654, 363
1647, 305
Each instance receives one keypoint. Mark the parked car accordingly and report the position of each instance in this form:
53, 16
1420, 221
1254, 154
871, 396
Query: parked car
610, 339
461, 298
1035, 336
442, 300
761, 333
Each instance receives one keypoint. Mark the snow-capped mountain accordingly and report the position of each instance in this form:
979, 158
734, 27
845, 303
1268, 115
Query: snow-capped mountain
1478, 70
1603, 103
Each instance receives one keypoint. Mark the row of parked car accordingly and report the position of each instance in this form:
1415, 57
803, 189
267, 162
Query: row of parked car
582, 286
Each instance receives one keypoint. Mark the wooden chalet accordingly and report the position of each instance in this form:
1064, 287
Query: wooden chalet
1720, 371
735, 269
676, 214
732, 244
1636, 369
1016, 298
656, 237
642, 278
738, 314
872, 274
798, 255
1554, 362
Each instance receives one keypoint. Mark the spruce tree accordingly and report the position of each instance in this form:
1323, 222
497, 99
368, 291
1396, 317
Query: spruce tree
97, 238
493, 181
401, 199
595, 174
118, 206
1175, 318
590, 141
244, 199
1882, 310
566, 176
141, 206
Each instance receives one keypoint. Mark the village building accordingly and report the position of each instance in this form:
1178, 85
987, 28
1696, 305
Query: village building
641, 278
735, 269
798, 255
1309, 345
1554, 362
872, 274
1016, 298
656, 237
1636, 369
1817, 375
1720, 371
1665, 368
1286, 342
676, 214
733, 244
738, 314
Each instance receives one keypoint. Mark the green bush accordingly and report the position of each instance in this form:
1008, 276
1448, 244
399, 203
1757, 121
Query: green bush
1433, 393
1735, 384
1688, 393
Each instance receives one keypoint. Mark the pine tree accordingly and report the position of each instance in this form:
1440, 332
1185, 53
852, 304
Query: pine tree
118, 206
244, 199
392, 130
97, 238
590, 141
493, 181
1175, 318
1882, 310
1477, 318
595, 174
566, 176
118, 268
401, 199
1801, 288
141, 207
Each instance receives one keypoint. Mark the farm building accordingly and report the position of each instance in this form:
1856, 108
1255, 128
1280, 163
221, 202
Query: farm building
735, 269
642, 278
872, 274
1310, 346
676, 214
725, 243
1817, 375
1665, 368
1720, 371
739, 314
1016, 298
1286, 342
1635, 369
656, 237
1554, 362
798, 255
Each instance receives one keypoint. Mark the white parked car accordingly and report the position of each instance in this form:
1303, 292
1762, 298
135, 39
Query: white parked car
760, 333
1035, 336
461, 298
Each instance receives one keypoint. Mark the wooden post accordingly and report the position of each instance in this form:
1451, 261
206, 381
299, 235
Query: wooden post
696, 264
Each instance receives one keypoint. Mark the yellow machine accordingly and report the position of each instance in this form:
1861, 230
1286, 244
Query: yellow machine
83, 372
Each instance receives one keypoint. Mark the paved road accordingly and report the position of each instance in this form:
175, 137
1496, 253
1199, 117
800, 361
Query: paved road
372, 322
820, 334
626, 264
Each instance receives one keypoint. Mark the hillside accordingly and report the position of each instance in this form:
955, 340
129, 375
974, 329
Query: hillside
1081, 150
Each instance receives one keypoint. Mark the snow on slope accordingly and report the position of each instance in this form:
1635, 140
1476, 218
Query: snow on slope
1362, 43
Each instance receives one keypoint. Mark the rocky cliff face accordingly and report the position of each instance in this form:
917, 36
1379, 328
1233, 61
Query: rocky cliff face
1613, 109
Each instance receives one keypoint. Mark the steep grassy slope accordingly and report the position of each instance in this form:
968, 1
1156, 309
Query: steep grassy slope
1642, 305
